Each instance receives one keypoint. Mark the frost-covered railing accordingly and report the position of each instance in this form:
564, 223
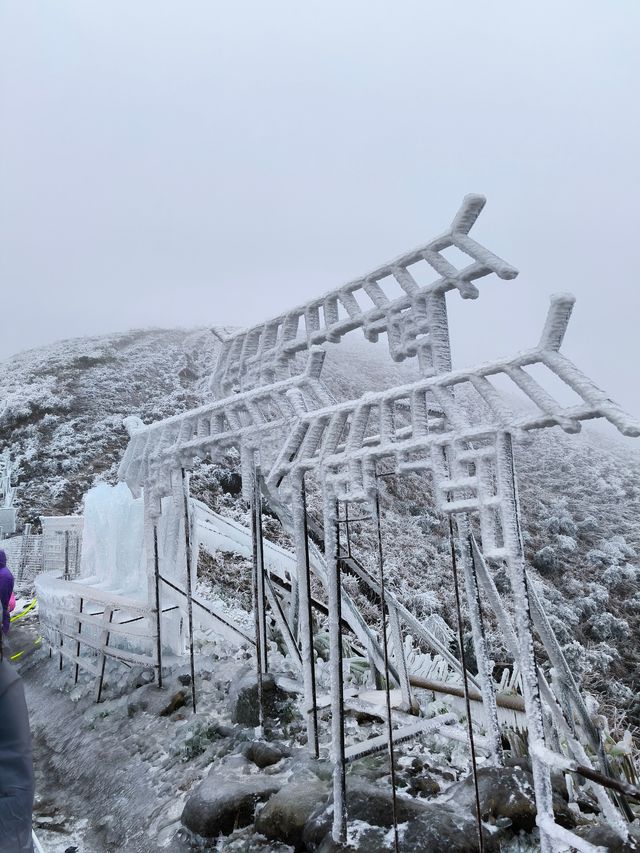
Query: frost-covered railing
239, 422
415, 321
415, 423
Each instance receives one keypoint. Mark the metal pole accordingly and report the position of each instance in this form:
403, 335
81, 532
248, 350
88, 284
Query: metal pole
66, 555
479, 642
256, 614
301, 535
331, 545
385, 648
465, 683
260, 576
187, 541
75, 679
156, 563
104, 660
346, 524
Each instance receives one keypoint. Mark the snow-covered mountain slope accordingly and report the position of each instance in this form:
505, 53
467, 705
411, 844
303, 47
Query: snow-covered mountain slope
61, 410
61, 407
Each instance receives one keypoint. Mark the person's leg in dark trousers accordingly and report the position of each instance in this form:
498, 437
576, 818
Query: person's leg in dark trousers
16, 765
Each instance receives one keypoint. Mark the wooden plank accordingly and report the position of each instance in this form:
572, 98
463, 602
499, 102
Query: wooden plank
377, 744
112, 651
78, 661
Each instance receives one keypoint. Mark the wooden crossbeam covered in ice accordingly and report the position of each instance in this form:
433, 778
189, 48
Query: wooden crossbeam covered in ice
414, 424
240, 420
415, 321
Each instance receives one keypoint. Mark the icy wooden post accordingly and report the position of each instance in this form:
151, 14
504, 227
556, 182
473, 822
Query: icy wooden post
510, 515
305, 618
330, 521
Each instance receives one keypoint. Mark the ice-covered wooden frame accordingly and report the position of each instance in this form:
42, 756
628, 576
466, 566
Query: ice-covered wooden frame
415, 322
268, 381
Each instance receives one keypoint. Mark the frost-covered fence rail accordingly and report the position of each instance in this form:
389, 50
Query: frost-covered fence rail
415, 321
24, 556
85, 626
400, 425
62, 544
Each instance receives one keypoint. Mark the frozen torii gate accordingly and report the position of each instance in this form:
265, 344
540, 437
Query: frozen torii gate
274, 408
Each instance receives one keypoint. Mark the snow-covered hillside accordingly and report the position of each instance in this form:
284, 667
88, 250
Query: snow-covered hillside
61, 411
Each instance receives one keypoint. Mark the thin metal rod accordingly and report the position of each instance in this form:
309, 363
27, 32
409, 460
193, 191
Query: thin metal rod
187, 545
256, 614
75, 678
156, 565
467, 701
312, 659
261, 576
331, 550
66, 555
385, 648
104, 661
346, 523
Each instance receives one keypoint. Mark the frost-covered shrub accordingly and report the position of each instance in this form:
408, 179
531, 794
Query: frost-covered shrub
621, 579
562, 524
545, 560
566, 543
606, 626
619, 693
597, 557
560, 628
425, 603
588, 527
577, 658
501, 580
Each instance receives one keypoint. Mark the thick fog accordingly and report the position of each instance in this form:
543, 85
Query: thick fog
199, 163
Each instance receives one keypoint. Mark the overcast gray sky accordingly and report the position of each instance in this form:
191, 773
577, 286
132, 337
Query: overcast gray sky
189, 162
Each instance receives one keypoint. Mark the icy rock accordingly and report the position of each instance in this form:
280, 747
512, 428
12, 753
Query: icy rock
365, 802
218, 806
148, 698
439, 829
505, 792
263, 754
286, 813
442, 829
604, 836
423, 785
178, 700
244, 700
146, 676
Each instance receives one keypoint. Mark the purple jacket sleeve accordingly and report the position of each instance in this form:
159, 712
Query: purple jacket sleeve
6, 588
